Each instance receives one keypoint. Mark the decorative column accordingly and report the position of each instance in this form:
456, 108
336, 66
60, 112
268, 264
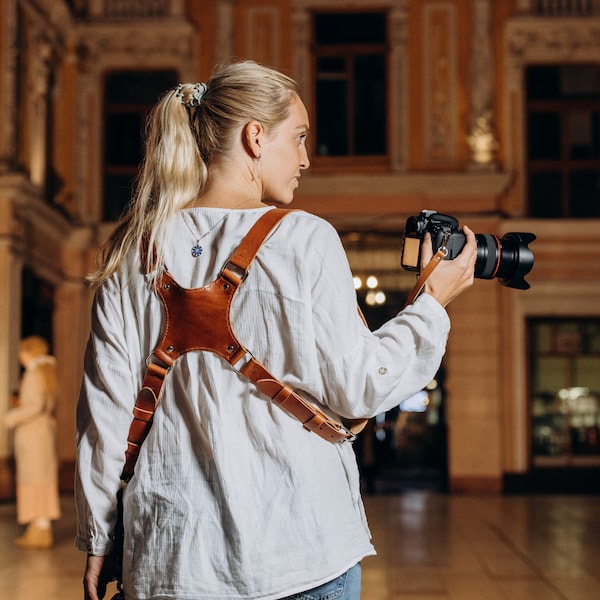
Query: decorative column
40, 55
8, 82
398, 85
11, 265
225, 24
482, 135
440, 83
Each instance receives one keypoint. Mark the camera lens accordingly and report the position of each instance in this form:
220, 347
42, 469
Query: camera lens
508, 258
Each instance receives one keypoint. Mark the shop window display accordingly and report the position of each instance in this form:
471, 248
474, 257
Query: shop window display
565, 391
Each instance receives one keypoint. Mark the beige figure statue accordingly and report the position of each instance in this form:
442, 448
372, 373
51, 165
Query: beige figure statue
35, 444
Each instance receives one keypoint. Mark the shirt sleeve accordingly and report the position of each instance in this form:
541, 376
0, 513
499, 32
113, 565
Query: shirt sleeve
104, 413
368, 372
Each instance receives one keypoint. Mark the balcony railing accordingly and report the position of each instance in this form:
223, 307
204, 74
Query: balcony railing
126, 9
561, 8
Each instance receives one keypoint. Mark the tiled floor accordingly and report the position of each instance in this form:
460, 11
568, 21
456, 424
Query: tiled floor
431, 547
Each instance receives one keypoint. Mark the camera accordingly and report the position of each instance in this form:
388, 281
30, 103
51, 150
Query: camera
508, 258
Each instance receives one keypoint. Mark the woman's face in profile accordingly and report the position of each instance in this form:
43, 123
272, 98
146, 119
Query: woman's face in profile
284, 155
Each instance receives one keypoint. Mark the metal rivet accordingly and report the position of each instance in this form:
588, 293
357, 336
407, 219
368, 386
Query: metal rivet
226, 286
167, 286
230, 348
170, 348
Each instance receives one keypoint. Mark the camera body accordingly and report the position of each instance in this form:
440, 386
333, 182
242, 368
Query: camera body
508, 258
444, 230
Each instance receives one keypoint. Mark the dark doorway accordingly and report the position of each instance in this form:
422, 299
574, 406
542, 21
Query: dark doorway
406, 447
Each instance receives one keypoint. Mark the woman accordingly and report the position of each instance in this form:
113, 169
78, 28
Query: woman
232, 497
35, 444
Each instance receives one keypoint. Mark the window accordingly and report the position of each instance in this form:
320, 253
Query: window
565, 391
563, 138
128, 97
350, 68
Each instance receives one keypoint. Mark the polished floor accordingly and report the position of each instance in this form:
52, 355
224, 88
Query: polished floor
431, 547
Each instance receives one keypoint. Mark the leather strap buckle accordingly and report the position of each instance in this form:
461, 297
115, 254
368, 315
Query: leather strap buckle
246, 356
233, 273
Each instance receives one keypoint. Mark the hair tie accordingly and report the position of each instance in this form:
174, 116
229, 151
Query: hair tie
197, 94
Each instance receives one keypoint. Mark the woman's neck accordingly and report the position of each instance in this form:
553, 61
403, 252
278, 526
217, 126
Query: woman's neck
230, 188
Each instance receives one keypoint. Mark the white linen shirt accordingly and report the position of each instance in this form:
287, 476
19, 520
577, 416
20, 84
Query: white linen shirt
231, 497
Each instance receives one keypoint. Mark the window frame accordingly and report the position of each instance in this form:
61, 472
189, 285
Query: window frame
564, 165
139, 108
351, 162
567, 347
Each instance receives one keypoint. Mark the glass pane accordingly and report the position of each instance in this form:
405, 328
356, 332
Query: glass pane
332, 118
327, 65
138, 87
583, 411
545, 191
586, 372
117, 193
350, 28
592, 337
550, 437
543, 135
584, 191
559, 82
542, 83
582, 134
580, 81
550, 374
541, 338
370, 105
123, 139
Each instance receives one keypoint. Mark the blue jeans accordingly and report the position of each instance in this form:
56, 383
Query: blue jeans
345, 587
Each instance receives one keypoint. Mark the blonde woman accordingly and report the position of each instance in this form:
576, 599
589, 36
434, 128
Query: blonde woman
36, 460
232, 497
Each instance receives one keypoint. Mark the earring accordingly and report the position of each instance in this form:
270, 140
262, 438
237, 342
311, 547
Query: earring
258, 166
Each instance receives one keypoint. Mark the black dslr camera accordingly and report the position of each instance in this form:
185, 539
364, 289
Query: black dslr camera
508, 258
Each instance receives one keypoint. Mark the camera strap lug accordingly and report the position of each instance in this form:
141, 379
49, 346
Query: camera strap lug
436, 259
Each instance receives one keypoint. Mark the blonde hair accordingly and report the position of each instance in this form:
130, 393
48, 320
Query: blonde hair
35, 345
186, 132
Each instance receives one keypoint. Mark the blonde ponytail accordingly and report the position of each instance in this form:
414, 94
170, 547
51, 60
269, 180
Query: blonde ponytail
190, 126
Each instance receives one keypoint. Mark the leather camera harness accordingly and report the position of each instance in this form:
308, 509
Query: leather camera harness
199, 319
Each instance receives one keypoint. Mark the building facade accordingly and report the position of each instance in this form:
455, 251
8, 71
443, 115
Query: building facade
485, 110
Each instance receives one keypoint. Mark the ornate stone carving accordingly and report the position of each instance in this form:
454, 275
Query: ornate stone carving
440, 83
482, 135
549, 41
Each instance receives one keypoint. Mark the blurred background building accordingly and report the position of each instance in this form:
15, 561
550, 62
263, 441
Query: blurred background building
488, 110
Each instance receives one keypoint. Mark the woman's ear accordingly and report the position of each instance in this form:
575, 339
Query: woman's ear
253, 135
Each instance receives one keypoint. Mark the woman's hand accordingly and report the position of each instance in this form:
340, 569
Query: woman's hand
98, 574
451, 277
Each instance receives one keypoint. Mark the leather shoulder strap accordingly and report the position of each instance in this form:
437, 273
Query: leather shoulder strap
181, 334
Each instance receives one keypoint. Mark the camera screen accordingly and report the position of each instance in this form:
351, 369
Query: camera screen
410, 253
